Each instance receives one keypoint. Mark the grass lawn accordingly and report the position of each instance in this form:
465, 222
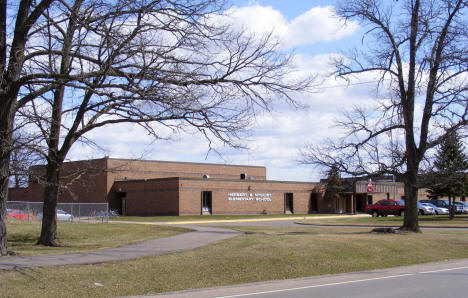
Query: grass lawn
262, 254
207, 217
424, 220
82, 236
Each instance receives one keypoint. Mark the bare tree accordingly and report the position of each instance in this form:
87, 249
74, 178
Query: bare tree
154, 63
13, 47
419, 52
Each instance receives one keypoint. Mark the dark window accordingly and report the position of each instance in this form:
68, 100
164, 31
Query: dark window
206, 202
369, 200
243, 176
288, 202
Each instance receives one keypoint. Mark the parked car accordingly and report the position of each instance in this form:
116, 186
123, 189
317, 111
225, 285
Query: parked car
62, 215
457, 207
438, 203
460, 207
422, 209
19, 214
385, 207
465, 204
425, 209
437, 210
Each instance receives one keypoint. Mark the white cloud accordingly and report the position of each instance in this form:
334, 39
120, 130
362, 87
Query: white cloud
315, 25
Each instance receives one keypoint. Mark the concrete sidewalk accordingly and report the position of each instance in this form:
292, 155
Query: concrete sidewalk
201, 236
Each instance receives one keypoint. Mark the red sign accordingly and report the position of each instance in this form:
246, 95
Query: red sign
370, 187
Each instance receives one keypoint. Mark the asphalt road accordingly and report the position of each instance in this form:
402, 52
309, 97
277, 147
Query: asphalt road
445, 279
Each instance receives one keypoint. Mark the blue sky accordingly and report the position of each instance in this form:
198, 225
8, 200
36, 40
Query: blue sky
309, 28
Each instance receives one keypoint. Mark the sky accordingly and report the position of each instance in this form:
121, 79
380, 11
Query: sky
315, 34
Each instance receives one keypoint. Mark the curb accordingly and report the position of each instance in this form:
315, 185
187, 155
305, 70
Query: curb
376, 226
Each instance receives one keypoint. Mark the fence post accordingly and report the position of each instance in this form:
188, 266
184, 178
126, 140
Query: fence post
28, 208
107, 213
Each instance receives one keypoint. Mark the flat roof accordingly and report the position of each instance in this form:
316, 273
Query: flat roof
215, 179
182, 162
157, 161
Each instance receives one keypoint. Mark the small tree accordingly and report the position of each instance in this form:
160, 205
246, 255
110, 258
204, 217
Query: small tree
334, 184
450, 170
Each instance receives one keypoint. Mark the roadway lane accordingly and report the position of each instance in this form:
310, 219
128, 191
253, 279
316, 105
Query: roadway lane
444, 279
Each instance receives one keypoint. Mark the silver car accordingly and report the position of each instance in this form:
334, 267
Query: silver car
437, 210
425, 209
62, 215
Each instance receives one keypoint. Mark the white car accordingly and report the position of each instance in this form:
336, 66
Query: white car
62, 215
424, 209
438, 210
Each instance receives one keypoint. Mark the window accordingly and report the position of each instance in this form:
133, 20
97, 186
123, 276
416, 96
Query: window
288, 203
206, 202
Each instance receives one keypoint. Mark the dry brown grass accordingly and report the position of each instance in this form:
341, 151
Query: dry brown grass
75, 237
262, 254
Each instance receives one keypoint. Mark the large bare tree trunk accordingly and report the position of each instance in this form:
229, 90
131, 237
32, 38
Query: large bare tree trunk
54, 163
451, 207
5, 136
6, 124
410, 222
49, 214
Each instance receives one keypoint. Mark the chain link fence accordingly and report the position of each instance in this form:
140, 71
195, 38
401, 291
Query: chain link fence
71, 212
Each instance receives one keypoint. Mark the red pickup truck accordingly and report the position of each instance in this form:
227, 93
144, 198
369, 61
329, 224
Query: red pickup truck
385, 207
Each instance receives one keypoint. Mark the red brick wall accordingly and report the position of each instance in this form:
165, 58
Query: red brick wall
18, 194
152, 197
161, 196
120, 169
82, 182
190, 196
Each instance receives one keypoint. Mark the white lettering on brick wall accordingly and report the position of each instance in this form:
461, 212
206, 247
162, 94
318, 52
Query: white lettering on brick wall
243, 196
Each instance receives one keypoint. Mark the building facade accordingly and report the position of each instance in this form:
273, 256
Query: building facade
139, 187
